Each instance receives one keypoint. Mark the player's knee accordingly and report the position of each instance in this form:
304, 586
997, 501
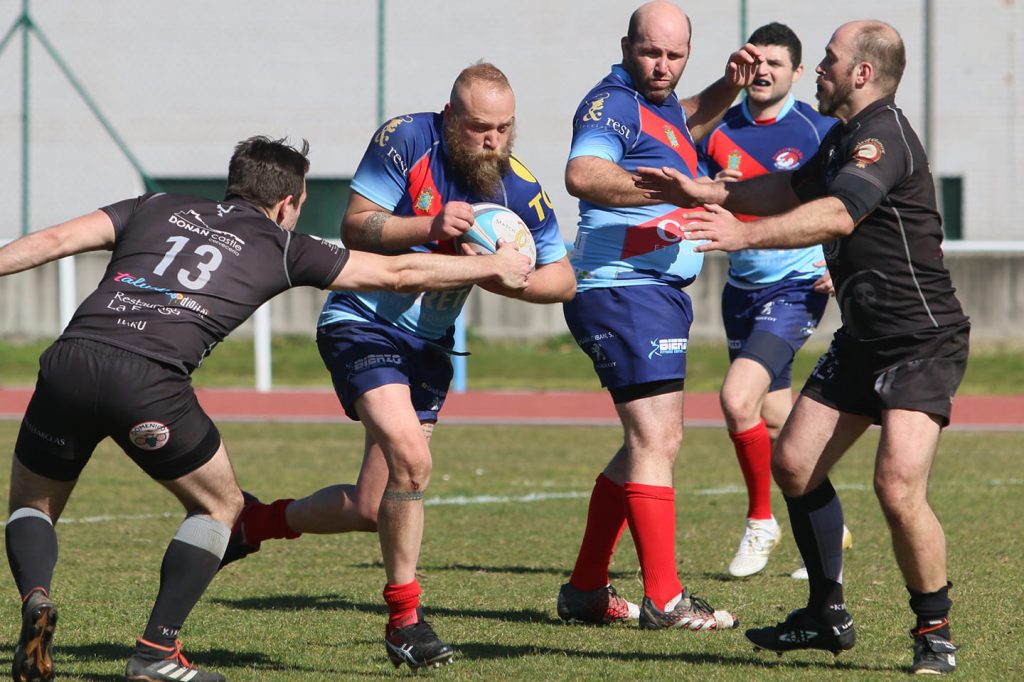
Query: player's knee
788, 475
738, 406
898, 495
410, 473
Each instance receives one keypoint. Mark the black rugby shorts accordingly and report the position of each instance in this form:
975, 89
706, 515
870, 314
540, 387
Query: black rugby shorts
919, 371
89, 390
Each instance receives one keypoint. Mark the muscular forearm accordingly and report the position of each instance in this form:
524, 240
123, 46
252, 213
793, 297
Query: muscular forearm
90, 232
602, 182
816, 222
705, 110
551, 283
379, 231
764, 195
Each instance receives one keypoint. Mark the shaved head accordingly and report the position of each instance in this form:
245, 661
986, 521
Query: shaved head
657, 12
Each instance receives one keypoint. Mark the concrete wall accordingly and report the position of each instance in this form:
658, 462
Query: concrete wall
990, 286
183, 81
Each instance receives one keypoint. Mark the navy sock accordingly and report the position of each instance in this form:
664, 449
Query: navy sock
817, 521
932, 611
190, 563
31, 549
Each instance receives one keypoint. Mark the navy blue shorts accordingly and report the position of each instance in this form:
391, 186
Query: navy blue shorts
88, 390
634, 335
919, 371
770, 324
362, 356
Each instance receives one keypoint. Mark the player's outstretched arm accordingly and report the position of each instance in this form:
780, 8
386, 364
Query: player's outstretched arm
90, 232
367, 226
764, 195
549, 283
705, 110
412, 272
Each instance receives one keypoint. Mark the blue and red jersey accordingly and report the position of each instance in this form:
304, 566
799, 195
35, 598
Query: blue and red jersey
404, 171
755, 148
643, 244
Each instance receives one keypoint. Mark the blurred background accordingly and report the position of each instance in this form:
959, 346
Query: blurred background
100, 100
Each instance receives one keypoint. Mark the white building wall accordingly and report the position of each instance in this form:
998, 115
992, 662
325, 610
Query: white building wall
183, 81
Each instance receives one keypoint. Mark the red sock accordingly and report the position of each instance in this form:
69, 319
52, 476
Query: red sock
402, 601
651, 511
754, 452
606, 519
261, 522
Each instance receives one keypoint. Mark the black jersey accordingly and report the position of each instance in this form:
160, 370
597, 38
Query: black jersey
186, 271
888, 273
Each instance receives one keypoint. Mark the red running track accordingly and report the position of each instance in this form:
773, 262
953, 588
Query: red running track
509, 407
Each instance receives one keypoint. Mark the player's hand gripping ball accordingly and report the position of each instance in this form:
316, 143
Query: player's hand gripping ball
492, 222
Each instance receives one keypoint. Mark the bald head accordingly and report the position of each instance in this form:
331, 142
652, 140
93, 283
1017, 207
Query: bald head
657, 14
656, 48
880, 45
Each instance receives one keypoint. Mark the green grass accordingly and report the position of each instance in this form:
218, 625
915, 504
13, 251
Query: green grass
311, 609
549, 364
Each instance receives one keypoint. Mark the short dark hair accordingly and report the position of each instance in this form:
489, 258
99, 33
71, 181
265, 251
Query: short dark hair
265, 171
781, 35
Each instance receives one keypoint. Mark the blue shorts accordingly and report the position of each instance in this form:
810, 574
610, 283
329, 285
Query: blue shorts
634, 335
362, 356
770, 324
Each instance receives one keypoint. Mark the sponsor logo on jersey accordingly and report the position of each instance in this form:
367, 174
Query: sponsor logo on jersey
176, 297
596, 108
224, 210
788, 158
425, 200
733, 162
519, 169
193, 222
868, 151
667, 347
659, 233
384, 135
149, 435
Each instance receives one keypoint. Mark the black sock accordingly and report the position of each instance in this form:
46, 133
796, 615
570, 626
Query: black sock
932, 611
31, 550
817, 521
191, 561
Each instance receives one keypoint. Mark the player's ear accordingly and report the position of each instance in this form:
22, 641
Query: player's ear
797, 72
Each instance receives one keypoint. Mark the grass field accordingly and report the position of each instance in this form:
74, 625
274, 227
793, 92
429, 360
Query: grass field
505, 515
550, 364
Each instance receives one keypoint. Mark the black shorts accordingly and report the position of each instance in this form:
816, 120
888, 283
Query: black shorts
919, 371
89, 390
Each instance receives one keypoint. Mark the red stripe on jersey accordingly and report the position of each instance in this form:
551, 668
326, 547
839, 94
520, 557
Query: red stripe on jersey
728, 154
658, 233
670, 136
426, 199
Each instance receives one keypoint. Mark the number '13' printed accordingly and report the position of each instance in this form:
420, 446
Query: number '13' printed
205, 267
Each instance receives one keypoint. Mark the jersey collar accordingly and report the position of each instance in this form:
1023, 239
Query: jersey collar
786, 108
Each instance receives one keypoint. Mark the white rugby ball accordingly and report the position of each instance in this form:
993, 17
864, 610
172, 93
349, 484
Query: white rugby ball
492, 222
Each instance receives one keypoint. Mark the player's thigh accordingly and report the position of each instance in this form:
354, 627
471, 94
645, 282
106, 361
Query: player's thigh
813, 439
211, 489
29, 489
775, 409
393, 425
906, 451
746, 383
653, 424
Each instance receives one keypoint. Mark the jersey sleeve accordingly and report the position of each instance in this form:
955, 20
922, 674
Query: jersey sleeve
531, 203
311, 261
874, 167
382, 173
606, 125
121, 212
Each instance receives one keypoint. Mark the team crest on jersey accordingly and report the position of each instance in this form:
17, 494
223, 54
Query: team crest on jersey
425, 200
787, 159
670, 133
385, 132
149, 435
596, 108
868, 151
733, 163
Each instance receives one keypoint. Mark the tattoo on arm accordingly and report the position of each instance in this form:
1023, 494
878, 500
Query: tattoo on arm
373, 228
399, 496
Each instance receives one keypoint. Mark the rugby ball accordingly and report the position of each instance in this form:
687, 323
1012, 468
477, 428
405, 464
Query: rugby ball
492, 222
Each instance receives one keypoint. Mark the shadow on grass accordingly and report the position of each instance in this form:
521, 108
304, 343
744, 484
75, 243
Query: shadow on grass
481, 650
76, 660
336, 602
